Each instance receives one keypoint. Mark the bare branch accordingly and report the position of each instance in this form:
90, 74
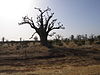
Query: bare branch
40, 18
51, 26
27, 20
59, 27
38, 9
32, 35
48, 9
47, 21
52, 34
38, 21
52, 23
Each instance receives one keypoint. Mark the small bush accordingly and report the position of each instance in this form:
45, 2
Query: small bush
72, 45
98, 42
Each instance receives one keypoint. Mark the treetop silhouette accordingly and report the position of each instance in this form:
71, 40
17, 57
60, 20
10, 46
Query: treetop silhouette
43, 25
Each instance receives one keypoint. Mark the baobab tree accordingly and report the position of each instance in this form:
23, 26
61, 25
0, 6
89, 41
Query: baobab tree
44, 24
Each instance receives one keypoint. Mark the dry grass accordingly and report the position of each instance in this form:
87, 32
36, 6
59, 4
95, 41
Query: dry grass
49, 69
29, 52
92, 47
71, 45
39, 60
75, 46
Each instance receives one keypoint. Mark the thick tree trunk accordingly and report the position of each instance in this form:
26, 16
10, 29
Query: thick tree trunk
43, 40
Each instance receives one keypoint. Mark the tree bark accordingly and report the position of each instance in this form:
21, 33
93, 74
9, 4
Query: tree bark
43, 39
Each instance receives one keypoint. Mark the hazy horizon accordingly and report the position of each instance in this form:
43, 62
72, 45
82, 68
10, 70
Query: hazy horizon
78, 17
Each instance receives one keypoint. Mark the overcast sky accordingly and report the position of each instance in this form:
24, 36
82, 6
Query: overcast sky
78, 16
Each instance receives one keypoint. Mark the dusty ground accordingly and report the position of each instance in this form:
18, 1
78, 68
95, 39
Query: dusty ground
57, 61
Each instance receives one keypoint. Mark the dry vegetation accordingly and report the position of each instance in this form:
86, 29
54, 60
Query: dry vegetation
39, 60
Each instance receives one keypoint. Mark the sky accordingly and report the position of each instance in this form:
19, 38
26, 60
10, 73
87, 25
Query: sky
78, 17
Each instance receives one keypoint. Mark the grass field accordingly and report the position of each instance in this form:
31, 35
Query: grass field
55, 61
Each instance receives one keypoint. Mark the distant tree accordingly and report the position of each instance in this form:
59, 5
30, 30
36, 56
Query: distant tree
58, 37
43, 25
72, 37
79, 37
79, 40
86, 37
36, 38
91, 36
98, 37
3, 39
20, 39
91, 39
66, 40
58, 40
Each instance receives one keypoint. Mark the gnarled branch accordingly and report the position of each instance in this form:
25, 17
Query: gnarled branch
48, 9
60, 26
27, 20
47, 21
32, 35
51, 27
41, 17
52, 34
